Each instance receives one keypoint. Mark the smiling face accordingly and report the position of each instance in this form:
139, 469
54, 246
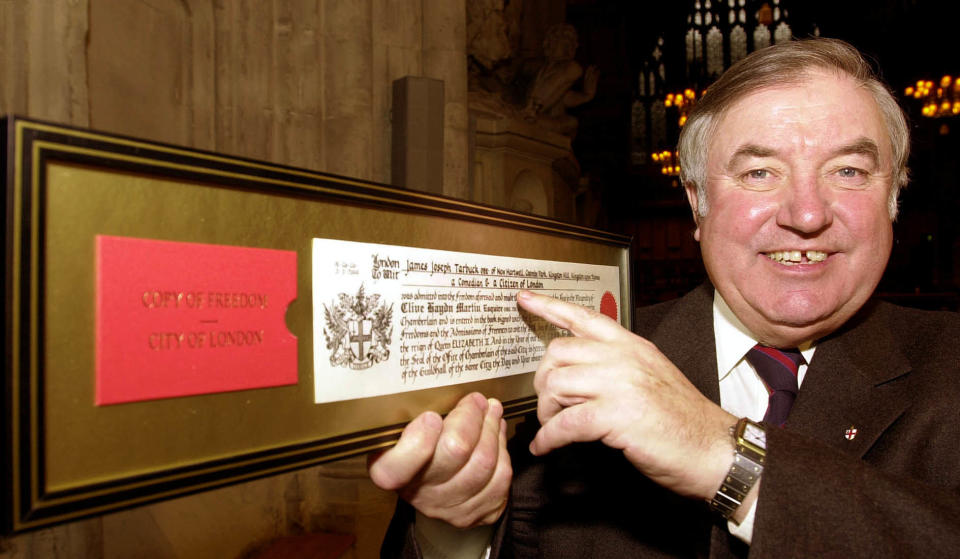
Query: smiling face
797, 233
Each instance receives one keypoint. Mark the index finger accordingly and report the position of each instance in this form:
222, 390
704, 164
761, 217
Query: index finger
581, 321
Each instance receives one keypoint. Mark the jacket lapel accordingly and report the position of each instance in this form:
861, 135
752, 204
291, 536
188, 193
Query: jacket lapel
856, 381
686, 337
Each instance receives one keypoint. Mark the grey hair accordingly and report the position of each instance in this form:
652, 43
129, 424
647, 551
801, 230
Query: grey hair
787, 63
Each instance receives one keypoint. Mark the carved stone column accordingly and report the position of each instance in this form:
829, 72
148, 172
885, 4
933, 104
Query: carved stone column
445, 58
347, 87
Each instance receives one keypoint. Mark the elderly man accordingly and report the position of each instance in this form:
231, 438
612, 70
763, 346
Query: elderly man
678, 443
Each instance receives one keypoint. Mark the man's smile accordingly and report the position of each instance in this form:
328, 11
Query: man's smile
792, 257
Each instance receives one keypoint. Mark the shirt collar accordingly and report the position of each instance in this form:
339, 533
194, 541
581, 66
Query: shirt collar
733, 339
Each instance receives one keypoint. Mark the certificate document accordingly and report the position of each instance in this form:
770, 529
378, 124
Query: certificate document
390, 319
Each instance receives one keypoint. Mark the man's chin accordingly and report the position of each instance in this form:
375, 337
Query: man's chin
793, 330
792, 324
792, 319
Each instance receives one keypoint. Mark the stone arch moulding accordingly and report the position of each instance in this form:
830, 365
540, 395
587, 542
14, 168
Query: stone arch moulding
529, 194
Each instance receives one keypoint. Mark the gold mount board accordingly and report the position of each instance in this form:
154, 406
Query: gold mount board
65, 456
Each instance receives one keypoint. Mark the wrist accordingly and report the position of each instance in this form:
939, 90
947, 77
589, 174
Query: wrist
717, 464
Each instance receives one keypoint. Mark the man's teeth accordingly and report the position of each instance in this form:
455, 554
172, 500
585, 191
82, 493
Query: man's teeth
791, 257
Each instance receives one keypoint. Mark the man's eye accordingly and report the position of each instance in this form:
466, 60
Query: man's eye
758, 174
849, 172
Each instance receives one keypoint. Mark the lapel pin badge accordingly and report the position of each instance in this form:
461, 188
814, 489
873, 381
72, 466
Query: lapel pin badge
850, 433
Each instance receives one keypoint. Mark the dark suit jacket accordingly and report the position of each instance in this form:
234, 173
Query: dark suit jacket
893, 490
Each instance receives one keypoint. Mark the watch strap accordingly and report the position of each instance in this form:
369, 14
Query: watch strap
745, 470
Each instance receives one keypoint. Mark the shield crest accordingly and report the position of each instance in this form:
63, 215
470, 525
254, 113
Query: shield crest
358, 330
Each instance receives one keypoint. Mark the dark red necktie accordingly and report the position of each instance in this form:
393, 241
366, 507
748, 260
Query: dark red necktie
778, 368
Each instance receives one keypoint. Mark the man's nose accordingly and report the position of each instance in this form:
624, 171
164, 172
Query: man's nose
806, 206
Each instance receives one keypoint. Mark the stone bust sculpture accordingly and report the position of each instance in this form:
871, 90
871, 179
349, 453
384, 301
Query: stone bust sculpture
551, 92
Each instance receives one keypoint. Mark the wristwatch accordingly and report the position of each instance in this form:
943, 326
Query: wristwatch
748, 459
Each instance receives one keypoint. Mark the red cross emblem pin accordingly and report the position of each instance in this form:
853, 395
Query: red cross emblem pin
850, 433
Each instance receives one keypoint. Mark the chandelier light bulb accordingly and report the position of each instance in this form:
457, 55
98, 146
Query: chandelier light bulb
939, 99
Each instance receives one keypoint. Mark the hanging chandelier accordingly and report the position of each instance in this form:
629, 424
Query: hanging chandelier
683, 102
669, 165
939, 100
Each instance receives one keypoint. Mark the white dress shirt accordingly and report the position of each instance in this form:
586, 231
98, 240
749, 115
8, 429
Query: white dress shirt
742, 392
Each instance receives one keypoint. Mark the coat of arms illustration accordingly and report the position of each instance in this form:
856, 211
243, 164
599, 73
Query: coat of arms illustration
358, 330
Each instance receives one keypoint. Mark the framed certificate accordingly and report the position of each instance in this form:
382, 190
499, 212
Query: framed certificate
178, 320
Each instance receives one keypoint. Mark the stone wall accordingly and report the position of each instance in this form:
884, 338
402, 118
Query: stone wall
299, 82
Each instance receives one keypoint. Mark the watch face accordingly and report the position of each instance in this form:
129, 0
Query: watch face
755, 435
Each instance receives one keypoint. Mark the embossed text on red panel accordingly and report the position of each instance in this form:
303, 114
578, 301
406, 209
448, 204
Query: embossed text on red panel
178, 319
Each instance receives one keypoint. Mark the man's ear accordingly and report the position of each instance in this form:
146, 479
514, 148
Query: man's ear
693, 197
